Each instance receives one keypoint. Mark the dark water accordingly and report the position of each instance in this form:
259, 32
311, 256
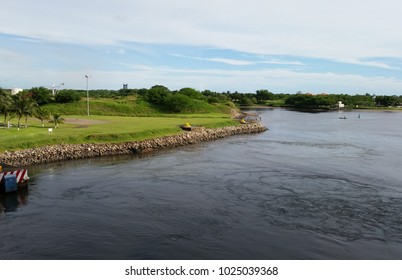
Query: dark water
312, 187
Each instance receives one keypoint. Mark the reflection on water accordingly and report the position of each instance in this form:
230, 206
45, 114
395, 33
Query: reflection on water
312, 187
11, 201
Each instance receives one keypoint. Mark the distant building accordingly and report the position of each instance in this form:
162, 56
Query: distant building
14, 91
340, 104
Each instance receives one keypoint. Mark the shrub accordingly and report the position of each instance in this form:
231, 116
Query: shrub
192, 93
67, 96
177, 103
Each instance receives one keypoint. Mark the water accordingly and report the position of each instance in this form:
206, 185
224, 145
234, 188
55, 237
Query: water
312, 187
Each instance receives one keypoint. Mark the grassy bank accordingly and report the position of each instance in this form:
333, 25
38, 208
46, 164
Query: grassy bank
129, 106
102, 129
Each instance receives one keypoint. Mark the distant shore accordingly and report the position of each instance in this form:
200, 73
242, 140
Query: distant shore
54, 153
375, 109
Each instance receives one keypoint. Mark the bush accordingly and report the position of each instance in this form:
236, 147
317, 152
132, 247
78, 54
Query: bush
213, 100
67, 96
192, 93
245, 101
177, 103
41, 95
157, 94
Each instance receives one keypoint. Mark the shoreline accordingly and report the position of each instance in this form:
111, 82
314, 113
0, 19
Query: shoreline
373, 109
63, 152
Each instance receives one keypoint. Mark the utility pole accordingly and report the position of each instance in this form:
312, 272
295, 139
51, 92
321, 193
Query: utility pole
87, 77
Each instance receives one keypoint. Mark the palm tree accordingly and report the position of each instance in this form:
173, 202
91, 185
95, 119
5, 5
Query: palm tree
56, 119
5, 104
23, 106
42, 115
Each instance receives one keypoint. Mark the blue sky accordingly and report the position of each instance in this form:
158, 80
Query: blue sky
317, 46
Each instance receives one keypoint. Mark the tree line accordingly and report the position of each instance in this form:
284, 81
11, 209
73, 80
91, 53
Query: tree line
186, 100
23, 105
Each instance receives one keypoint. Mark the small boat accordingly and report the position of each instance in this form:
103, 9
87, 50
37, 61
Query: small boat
12, 179
186, 127
343, 118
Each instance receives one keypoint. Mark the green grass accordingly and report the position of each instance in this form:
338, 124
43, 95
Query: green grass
108, 129
112, 120
105, 107
129, 106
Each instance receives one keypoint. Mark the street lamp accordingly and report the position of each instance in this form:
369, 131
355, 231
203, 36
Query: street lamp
87, 77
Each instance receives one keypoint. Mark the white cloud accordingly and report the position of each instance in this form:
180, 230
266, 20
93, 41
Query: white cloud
326, 29
282, 62
358, 32
276, 80
7, 56
231, 61
240, 62
370, 63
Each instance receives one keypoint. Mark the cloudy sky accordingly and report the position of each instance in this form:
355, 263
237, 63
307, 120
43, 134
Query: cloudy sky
343, 46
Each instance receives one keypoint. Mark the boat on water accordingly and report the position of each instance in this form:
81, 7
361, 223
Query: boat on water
342, 118
12, 179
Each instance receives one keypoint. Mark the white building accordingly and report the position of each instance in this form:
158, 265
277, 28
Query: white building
340, 104
14, 91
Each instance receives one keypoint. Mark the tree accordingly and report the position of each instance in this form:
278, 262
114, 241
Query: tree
143, 92
192, 93
177, 103
23, 105
214, 97
245, 101
5, 104
157, 94
67, 96
263, 95
57, 119
387, 100
235, 97
309, 101
41, 95
42, 115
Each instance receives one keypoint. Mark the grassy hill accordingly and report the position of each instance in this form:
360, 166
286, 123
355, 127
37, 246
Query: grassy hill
130, 106
110, 120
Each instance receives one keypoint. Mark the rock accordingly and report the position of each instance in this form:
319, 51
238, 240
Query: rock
80, 151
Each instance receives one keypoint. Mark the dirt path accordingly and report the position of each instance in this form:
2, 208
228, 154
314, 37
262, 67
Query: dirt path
83, 122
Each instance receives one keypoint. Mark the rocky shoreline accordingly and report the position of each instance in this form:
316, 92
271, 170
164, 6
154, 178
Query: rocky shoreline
80, 151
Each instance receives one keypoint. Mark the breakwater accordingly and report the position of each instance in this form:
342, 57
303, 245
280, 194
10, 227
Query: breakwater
63, 152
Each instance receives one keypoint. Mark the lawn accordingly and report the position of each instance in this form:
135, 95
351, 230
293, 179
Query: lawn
98, 129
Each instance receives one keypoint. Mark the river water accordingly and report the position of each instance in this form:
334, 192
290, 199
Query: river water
312, 187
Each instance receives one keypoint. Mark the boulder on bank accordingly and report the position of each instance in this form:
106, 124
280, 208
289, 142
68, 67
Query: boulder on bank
80, 151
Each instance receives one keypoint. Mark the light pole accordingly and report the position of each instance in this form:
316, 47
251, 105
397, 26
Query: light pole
87, 77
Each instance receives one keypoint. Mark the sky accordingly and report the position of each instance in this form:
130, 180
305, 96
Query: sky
315, 46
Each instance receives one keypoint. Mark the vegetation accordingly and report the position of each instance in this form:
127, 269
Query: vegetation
308, 101
100, 129
67, 96
56, 119
160, 100
134, 114
115, 116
